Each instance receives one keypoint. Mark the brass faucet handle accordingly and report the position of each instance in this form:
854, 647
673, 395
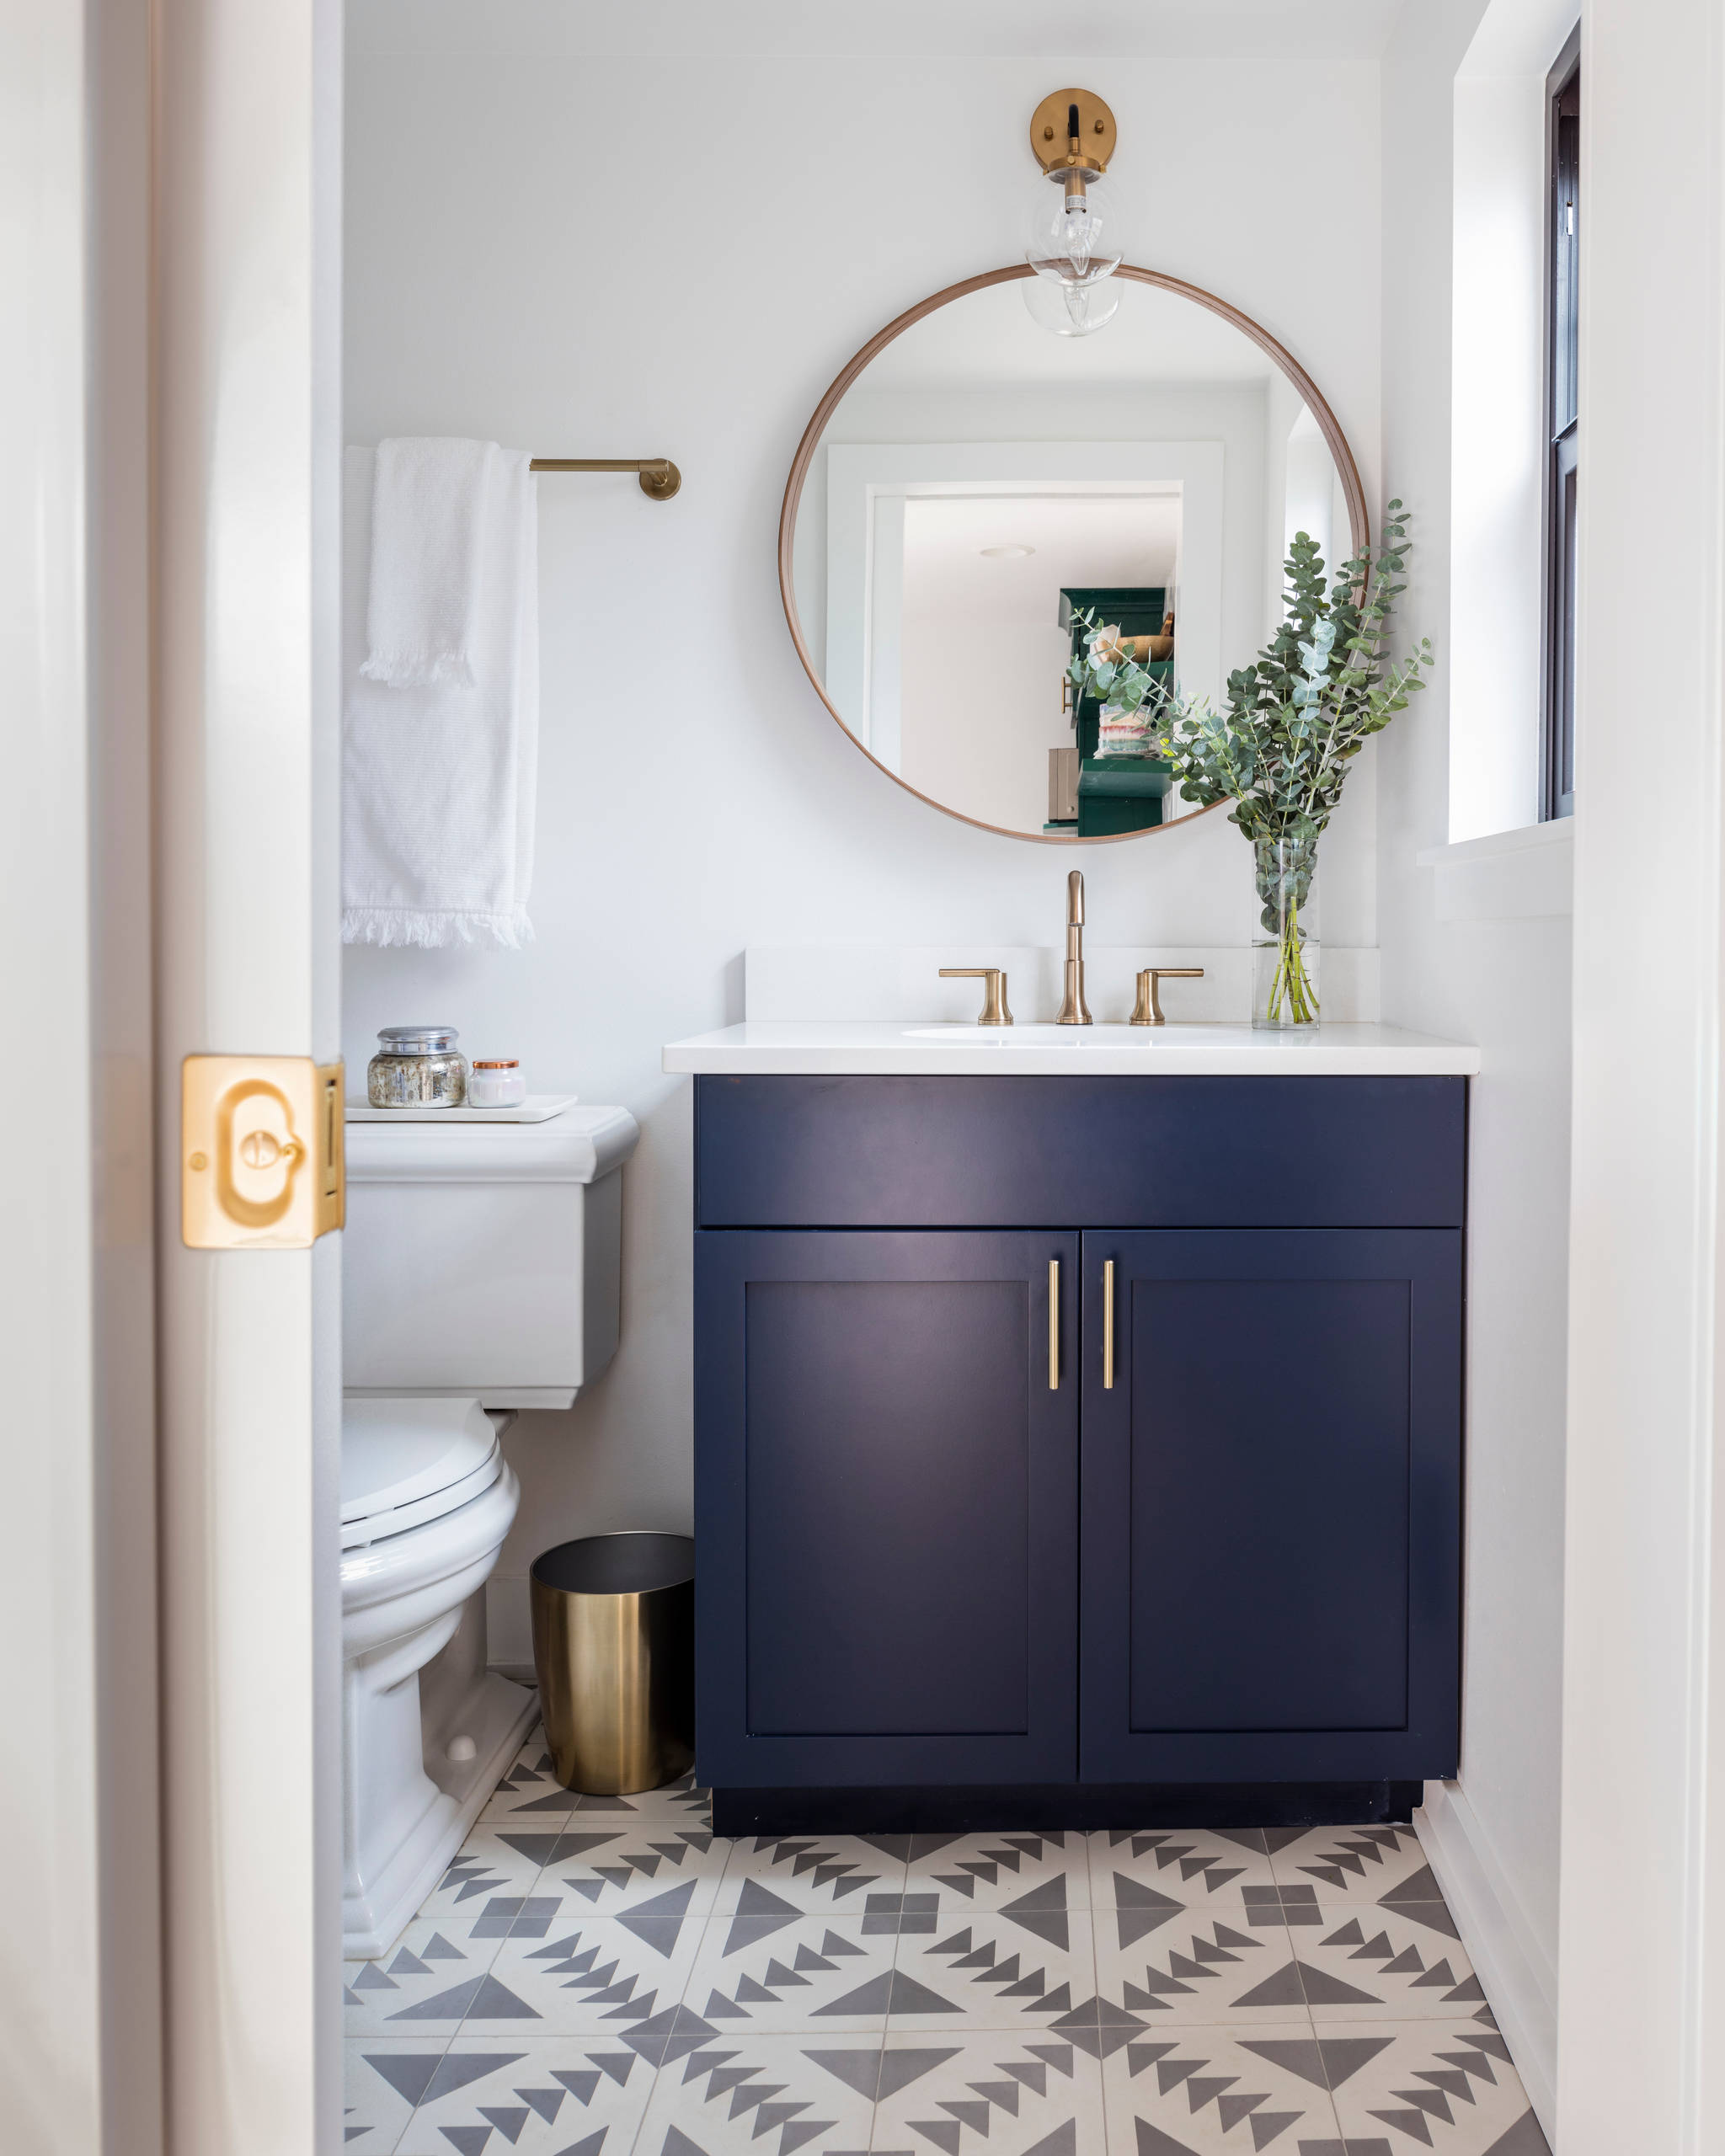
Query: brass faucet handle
994, 993
1148, 1009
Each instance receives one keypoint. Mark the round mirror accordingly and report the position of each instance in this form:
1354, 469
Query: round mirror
976, 497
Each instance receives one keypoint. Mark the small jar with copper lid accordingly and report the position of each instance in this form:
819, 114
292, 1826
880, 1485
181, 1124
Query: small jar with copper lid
497, 1082
417, 1067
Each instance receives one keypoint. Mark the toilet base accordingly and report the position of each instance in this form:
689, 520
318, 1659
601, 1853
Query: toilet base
497, 1718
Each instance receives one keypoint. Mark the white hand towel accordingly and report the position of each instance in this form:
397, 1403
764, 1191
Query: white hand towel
439, 782
427, 505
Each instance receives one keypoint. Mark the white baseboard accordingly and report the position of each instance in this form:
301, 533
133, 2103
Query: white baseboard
1518, 1972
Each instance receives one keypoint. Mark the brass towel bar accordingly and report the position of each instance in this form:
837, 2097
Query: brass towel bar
660, 477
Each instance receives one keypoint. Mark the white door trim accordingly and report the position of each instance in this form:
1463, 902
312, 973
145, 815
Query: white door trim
1641, 2057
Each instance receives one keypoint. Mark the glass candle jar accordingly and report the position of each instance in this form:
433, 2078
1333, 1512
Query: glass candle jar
498, 1082
417, 1067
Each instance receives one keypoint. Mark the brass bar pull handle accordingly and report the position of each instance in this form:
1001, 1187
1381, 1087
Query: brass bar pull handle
1108, 1327
1053, 1325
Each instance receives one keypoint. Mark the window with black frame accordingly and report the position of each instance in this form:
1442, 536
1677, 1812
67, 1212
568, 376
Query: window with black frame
1563, 88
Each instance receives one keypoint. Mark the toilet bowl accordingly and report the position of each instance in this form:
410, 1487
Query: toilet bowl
480, 1274
427, 1500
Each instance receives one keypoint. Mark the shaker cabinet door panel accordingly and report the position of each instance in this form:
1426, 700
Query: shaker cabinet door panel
887, 1486
1271, 1522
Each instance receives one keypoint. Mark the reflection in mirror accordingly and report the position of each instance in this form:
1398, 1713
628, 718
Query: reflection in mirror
981, 489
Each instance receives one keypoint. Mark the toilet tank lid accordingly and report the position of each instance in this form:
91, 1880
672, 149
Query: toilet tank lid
579, 1146
394, 1452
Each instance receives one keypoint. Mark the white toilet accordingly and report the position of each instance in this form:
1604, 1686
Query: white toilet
481, 1270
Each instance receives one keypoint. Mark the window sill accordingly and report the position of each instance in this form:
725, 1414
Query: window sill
1525, 875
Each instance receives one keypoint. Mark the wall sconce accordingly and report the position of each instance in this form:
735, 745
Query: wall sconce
1074, 241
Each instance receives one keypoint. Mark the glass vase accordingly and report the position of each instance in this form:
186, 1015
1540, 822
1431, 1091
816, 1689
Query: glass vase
1286, 952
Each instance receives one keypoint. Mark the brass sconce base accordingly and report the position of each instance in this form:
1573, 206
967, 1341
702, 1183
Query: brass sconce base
1053, 144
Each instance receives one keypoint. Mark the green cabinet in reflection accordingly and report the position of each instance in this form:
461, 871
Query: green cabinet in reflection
1113, 794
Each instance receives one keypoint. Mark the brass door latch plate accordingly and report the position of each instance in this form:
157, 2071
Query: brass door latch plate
261, 1163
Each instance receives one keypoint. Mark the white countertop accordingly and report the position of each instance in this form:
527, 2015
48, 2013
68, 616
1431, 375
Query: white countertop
876, 1047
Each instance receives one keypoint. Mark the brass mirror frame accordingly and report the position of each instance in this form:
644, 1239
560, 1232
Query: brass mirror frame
1328, 426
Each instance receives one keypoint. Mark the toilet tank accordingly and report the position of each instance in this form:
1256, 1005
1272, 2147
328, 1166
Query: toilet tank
483, 1259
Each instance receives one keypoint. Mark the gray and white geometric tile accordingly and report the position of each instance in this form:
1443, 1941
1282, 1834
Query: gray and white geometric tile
1451, 2088
1203, 1965
988, 1871
772, 2094
438, 1972
1015, 2094
832, 1872
777, 1970
1356, 1863
1191, 1869
569, 2097
596, 1977
1014, 1969
1194, 2091
602, 1977
1379, 1964
490, 1861
377, 2101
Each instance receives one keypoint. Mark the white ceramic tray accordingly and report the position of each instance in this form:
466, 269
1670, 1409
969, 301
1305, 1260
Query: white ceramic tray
537, 1107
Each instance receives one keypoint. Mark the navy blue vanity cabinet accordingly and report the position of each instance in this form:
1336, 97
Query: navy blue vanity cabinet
928, 1578
1271, 1563
887, 1499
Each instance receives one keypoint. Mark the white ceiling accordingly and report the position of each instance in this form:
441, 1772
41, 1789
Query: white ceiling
1077, 540
1234, 29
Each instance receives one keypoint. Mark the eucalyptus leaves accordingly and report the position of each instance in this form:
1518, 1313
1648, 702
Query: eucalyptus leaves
1293, 719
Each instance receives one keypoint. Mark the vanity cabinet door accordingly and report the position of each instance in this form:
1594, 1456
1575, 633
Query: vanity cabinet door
1271, 1533
886, 1497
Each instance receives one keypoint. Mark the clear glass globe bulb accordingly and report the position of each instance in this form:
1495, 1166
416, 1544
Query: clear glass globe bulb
1074, 235
1071, 310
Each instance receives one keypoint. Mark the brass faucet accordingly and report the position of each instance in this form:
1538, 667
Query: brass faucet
1074, 1010
1148, 1009
994, 993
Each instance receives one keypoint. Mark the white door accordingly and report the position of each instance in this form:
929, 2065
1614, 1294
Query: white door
169, 1727
247, 460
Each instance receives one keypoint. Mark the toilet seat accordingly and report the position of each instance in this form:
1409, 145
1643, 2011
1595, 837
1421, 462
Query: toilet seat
407, 1462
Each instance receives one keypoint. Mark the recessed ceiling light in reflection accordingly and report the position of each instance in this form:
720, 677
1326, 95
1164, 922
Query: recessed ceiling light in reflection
1007, 553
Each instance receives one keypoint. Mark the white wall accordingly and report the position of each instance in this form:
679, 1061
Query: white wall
1476, 945
694, 795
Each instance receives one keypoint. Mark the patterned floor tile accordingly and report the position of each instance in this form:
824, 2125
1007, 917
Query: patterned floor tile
377, 2101
1189, 1869
491, 1860
1205, 2091
767, 2094
1360, 1864
594, 1868
990, 1871
814, 1872
994, 1969
426, 1986
1449, 2088
1365, 1964
599, 1976
530, 1790
570, 2097
1207, 1964
676, 1804
783, 1970
1016, 2093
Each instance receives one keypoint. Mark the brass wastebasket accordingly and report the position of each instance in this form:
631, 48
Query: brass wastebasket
614, 1647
